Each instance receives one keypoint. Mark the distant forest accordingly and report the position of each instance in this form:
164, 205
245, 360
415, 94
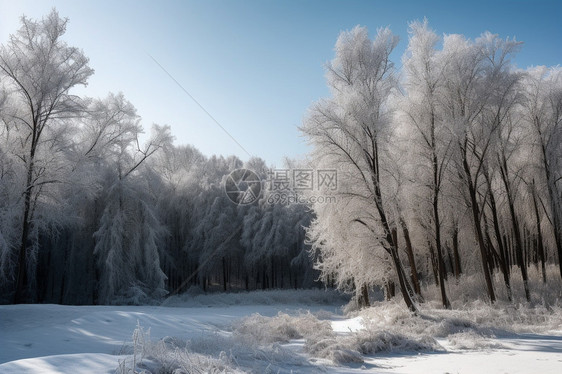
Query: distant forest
89, 215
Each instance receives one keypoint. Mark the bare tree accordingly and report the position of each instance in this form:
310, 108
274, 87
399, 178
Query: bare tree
40, 70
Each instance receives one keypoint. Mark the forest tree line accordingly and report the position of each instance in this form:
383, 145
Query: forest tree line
88, 214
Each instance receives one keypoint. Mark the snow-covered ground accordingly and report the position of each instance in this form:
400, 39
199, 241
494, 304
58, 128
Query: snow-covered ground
278, 332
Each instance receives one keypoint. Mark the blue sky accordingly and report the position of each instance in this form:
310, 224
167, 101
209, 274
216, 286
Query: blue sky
256, 66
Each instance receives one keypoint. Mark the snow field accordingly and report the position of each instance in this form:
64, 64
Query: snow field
235, 335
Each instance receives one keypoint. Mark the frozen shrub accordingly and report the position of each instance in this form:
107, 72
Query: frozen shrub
170, 355
471, 340
334, 349
369, 342
281, 328
350, 349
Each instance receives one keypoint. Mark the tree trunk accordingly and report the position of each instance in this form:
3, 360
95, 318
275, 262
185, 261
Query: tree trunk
540, 244
411, 258
440, 264
390, 247
457, 257
436, 219
556, 209
22, 278
390, 290
515, 225
223, 274
433, 260
478, 230
501, 248
405, 288
365, 296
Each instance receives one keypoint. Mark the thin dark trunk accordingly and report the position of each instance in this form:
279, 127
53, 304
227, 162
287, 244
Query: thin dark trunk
478, 230
440, 263
22, 278
405, 287
365, 296
436, 218
505, 244
391, 248
223, 274
411, 258
434, 266
492, 253
540, 244
451, 263
273, 275
501, 248
390, 290
457, 268
515, 225
554, 207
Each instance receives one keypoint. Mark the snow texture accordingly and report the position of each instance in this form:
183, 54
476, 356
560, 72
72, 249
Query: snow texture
280, 337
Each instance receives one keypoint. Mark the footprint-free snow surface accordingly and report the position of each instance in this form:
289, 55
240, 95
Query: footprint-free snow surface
270, 334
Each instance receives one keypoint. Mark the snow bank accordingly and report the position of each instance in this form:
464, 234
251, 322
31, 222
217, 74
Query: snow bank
81, 363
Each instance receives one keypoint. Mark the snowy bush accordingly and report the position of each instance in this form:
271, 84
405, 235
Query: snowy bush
333, 349
348, 349
213, 353
170, 355
471, 341
281, 328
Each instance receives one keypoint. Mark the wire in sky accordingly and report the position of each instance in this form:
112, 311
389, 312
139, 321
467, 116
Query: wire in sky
200, 106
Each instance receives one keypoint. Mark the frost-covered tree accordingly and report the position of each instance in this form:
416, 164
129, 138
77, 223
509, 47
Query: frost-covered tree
39, 69
543, 112
182, 180
424, 70
10, 212
474, 74
506, 140
350, 131
129, 233
345, 252
457, 166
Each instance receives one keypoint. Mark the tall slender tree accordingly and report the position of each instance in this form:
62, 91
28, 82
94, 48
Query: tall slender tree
40, 69
424, 80
351, 128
